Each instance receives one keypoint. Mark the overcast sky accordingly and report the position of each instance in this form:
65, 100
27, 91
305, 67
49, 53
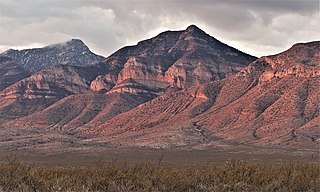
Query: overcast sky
258, 27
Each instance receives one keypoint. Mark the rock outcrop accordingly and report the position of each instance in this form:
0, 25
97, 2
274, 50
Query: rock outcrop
100, 85
56, 82
301, 60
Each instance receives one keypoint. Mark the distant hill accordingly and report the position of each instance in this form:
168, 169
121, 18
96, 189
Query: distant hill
73, 52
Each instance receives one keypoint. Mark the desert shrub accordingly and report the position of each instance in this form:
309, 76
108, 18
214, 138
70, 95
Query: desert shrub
231, 176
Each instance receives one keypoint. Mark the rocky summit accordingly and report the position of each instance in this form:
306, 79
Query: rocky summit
73, 52
178, 90
174, 58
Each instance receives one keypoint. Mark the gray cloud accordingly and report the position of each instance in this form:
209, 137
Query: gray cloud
259, 27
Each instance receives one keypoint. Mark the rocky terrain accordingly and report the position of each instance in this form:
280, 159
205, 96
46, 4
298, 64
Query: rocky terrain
10, 72
178, 59
178, 90
73, 52
175, 58
274, 101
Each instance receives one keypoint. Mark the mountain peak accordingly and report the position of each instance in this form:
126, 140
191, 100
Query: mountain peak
192, 28
76, 41
71, 43
194, 31
183, 58
72, 52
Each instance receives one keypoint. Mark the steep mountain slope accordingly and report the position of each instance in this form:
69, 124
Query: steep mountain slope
174, 58
10, 72
44, 88
274, 101
73, 52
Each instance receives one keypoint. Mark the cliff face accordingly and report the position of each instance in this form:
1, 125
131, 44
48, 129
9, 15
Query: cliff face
301, 60
73, 52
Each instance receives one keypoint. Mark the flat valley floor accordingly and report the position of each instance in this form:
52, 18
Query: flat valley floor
162, 157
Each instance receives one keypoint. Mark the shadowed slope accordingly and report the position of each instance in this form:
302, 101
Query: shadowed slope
82, 109
10, 72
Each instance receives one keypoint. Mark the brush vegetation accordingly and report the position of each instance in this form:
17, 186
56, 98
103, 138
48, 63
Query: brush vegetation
231, 176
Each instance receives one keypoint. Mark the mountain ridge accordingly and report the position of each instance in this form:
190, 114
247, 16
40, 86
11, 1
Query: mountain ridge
214, 114
176, 91
144, 64
168, 51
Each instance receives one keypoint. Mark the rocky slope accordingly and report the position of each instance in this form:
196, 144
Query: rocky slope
10, 72
180, 89
44, 88
73, 52
175, 58
246, 108
172, 59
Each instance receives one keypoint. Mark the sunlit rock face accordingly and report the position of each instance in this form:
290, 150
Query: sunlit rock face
176, 58
55, 82
272, 102
178, 90
171, 61
101, 85
301, 60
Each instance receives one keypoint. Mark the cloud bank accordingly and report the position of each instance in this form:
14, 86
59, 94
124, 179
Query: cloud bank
258, 27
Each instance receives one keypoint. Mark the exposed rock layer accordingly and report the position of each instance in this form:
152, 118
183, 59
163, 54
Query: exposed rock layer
176, 58
242, 109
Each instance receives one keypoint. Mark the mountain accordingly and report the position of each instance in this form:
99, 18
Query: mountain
175, 58
180, 90
44, 88
73, 52
10, 72
149, 68
59, 77
272, 102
